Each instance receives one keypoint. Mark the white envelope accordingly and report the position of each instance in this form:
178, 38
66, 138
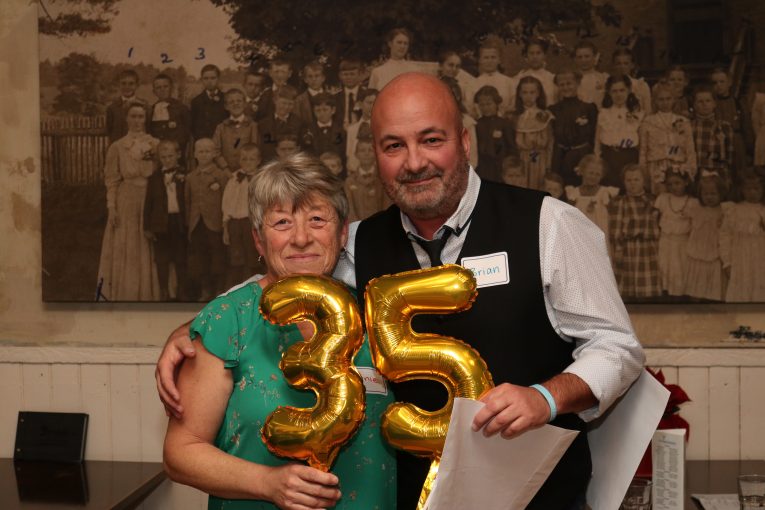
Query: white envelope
619, 439
492, 473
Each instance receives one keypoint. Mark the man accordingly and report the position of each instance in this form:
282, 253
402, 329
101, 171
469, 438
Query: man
560, 301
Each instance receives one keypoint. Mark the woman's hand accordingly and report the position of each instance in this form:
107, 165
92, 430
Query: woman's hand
299, 487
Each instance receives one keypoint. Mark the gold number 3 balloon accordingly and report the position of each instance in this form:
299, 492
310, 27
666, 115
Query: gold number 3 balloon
323, 364
401, 354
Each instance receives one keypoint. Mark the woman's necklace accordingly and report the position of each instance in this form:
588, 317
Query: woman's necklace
679, 212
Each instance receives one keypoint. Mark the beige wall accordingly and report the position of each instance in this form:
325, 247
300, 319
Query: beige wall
24, 319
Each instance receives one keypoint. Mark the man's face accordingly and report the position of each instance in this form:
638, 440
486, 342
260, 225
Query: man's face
280, 73
350, 78
162, 89
210, 80
323, 113
488, 60
128, 86
421, 150
253, 85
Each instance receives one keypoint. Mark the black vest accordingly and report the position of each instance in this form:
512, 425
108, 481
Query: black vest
507, 324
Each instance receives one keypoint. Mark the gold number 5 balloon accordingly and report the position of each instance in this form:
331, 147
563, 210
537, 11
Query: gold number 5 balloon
401, 354
322, 364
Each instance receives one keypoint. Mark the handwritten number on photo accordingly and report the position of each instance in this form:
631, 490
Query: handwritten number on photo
626, 143
534, 156
130, 52
201, 54
165, 58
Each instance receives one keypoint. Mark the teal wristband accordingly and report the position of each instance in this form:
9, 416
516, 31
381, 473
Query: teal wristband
550, 400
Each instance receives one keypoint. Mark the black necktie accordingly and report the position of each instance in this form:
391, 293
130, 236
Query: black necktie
433, 248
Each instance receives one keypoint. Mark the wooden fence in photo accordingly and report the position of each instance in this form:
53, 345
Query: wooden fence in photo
73, 149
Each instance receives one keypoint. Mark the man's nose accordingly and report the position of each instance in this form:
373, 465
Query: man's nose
415, 161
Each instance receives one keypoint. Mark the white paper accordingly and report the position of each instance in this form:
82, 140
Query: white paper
717, 501
668, 454
492, 472
619, 440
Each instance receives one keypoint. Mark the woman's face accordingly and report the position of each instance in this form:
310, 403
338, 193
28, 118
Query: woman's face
451, 66
399, 46
136, 119
529, 94
307, 240
619, 93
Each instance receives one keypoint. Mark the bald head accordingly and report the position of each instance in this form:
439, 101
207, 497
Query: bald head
420, 92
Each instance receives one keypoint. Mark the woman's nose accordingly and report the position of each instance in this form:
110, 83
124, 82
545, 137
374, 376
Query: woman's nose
301, 235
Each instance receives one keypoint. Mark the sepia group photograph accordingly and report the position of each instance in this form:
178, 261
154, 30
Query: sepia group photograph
648, 117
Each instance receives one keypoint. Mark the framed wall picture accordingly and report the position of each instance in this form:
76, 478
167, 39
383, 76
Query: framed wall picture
648, 117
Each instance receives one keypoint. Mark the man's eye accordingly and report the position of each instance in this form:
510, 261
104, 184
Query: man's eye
432, 140
393, 146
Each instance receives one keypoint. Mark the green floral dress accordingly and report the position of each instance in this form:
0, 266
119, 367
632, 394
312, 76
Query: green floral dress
233, 329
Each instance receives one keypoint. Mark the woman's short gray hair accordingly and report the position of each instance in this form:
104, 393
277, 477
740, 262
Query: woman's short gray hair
295, 179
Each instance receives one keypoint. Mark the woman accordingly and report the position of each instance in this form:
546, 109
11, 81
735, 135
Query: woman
299, 213
126, 271
398, 41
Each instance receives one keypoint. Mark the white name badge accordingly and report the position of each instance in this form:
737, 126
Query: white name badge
373, 381
489, 270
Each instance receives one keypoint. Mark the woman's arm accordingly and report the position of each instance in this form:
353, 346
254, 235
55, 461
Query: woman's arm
191, 458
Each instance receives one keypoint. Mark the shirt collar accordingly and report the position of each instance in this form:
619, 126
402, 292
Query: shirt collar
241, 118
354, 90
323, 125
312, 92
461, 216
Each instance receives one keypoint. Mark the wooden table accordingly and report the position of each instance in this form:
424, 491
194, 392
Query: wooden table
716, 477
93, 485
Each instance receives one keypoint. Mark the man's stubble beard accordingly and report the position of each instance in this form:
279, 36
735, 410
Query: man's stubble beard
441, 204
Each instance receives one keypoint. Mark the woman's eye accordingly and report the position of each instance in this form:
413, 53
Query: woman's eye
282, 224
318, 221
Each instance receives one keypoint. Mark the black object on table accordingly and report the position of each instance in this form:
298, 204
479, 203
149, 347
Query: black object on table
102, 485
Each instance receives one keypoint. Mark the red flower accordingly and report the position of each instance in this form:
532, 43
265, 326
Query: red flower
677, 396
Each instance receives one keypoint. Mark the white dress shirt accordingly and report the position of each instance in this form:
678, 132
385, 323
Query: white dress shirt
580, 293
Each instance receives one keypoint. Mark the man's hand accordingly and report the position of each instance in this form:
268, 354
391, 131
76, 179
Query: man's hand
178, 347
511, 410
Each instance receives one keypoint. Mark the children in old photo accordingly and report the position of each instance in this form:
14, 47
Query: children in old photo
204, 195
704, 275
243, 259
533, 130
323, 133
676, 207
742, 242
592, 87
496, 137
116, 112
634, 233
164, 221
574, 123
363, 187
207, 108
234, 132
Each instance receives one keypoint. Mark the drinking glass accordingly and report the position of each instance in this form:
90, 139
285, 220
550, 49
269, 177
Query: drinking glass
751, 491
638, 495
